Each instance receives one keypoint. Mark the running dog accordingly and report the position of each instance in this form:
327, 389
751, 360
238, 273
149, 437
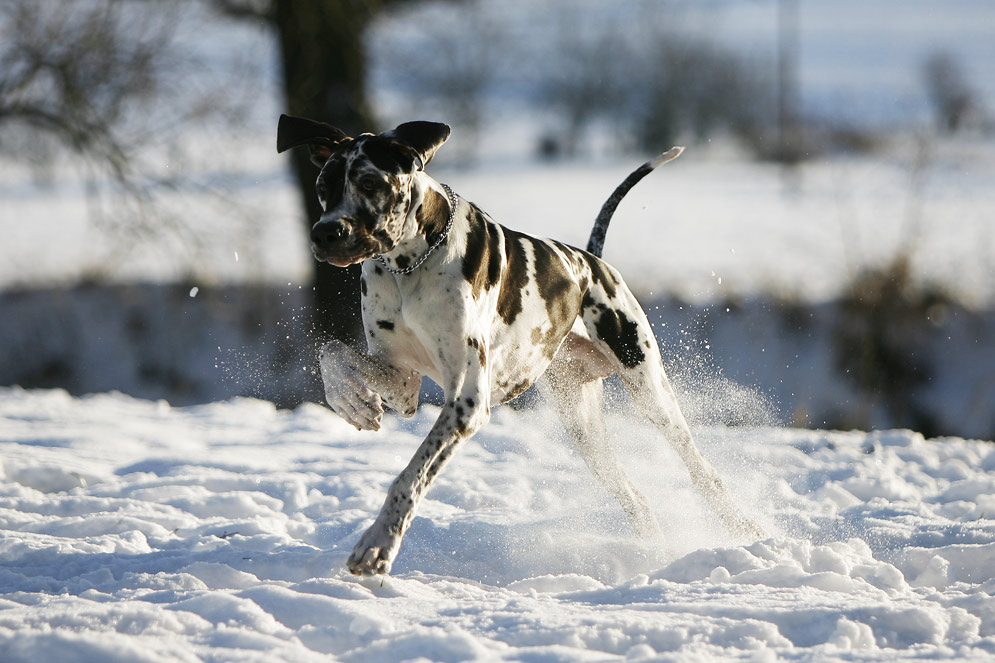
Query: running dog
485, 312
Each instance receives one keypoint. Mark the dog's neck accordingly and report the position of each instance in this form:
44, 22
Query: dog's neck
427, 226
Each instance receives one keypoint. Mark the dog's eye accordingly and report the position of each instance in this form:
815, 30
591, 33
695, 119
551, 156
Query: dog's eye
368, 183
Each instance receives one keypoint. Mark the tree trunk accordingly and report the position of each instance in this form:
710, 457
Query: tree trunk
324, 73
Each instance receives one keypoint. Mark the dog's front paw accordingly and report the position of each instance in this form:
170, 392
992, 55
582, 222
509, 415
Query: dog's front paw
374, 553
357, 404
345, 391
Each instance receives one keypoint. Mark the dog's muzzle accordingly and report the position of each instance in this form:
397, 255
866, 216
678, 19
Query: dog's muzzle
333, 242
325, 234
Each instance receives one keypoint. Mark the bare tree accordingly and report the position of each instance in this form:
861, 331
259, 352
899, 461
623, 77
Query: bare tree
588, 85
953, 100
69, 75
100, 86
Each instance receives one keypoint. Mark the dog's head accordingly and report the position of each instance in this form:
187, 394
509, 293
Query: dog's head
364, 185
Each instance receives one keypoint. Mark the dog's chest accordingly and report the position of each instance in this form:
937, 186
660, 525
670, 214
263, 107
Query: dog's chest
435, 325
393, 320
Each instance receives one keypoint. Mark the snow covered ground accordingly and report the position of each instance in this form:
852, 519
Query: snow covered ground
137, 532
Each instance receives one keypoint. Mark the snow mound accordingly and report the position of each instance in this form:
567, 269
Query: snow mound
134, 531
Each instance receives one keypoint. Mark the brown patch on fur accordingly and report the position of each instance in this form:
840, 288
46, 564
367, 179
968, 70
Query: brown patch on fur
432, 214
516, 277
482, 260
559, 292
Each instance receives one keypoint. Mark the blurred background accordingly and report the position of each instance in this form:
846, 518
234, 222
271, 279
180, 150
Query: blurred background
821, 256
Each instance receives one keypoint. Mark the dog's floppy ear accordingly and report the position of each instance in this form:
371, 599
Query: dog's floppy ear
319, 137
422, 137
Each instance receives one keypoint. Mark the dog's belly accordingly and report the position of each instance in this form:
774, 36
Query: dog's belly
521, 353
514, 367
511, 381
512, 370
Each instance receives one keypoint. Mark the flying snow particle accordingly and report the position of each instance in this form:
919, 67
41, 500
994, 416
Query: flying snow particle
193, 291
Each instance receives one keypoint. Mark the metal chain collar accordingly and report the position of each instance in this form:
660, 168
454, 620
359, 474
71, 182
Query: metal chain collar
453, 199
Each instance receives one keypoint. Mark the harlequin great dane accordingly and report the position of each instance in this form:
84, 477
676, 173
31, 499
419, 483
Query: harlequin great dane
485, 312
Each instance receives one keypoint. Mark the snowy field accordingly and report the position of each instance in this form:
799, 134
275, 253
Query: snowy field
137, 532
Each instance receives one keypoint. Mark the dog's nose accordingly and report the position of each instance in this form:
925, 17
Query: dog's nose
326, 232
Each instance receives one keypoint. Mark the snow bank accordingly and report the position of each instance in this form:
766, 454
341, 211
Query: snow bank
136, 531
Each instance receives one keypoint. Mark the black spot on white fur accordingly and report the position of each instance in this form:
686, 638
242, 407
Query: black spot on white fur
621, 334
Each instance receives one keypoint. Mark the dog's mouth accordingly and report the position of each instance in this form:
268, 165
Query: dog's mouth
346, 256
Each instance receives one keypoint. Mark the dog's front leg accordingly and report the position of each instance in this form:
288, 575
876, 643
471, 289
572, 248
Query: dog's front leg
460, 418
357, 385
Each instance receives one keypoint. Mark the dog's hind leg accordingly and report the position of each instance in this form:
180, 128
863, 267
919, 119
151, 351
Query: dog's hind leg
573, 383
656, 399
622, 331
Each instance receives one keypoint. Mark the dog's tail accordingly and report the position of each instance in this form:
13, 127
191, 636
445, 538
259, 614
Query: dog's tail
596, 243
